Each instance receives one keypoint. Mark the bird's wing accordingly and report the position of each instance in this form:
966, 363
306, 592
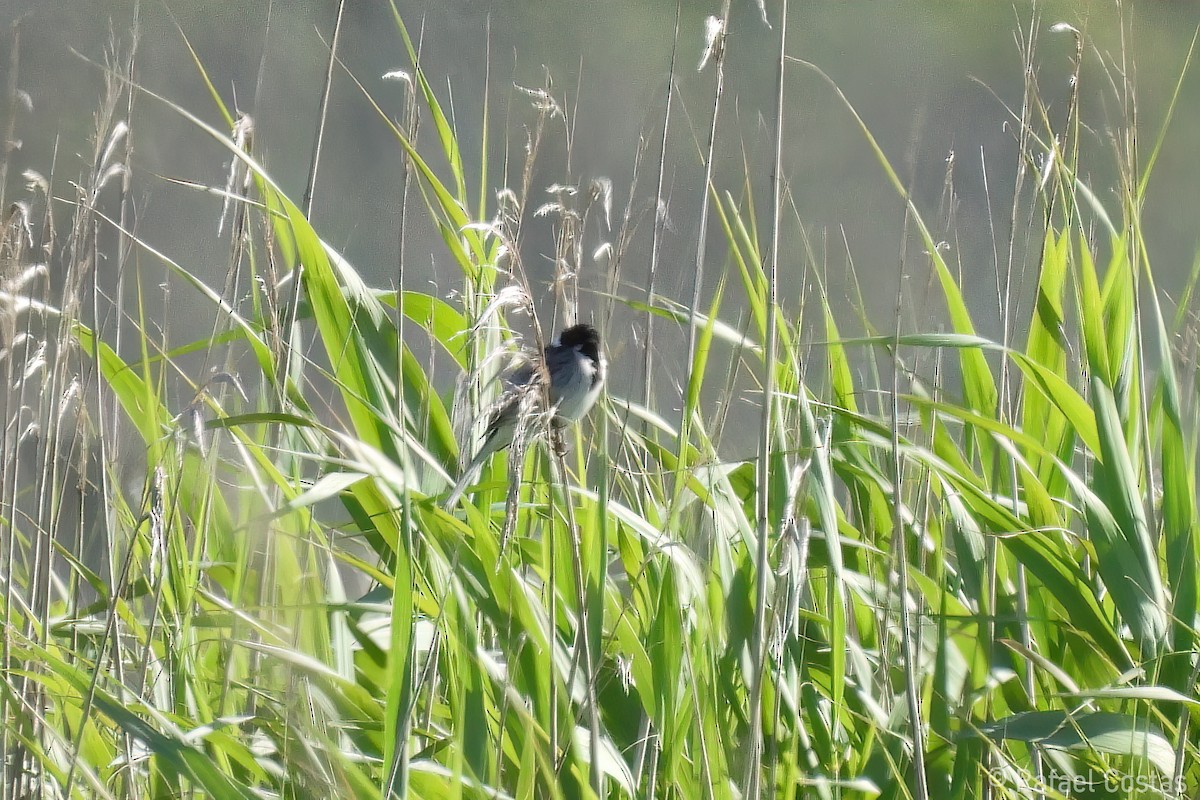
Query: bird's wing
519, 377
502, 422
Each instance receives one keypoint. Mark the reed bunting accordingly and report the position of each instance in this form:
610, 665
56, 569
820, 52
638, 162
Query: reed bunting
576, 369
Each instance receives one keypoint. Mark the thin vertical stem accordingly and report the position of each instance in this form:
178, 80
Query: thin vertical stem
659, 223
404, 682
900, 542
311, 185
753, 779
718, 55
8, 138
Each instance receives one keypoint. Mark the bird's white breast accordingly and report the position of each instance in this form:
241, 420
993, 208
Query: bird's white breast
577, 398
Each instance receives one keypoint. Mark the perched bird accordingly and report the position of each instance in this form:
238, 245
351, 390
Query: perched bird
576, 369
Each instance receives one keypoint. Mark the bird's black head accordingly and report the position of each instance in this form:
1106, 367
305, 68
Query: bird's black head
585, 337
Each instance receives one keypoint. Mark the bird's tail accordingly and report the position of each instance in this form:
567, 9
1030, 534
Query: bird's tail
460, 488
470, 474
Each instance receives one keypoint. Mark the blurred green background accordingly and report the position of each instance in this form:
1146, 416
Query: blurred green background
938, 83
931, 79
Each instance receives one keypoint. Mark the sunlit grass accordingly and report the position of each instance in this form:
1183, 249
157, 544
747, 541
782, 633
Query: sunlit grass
953, 567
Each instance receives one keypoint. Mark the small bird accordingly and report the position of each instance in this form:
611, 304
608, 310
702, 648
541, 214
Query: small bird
576, 369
